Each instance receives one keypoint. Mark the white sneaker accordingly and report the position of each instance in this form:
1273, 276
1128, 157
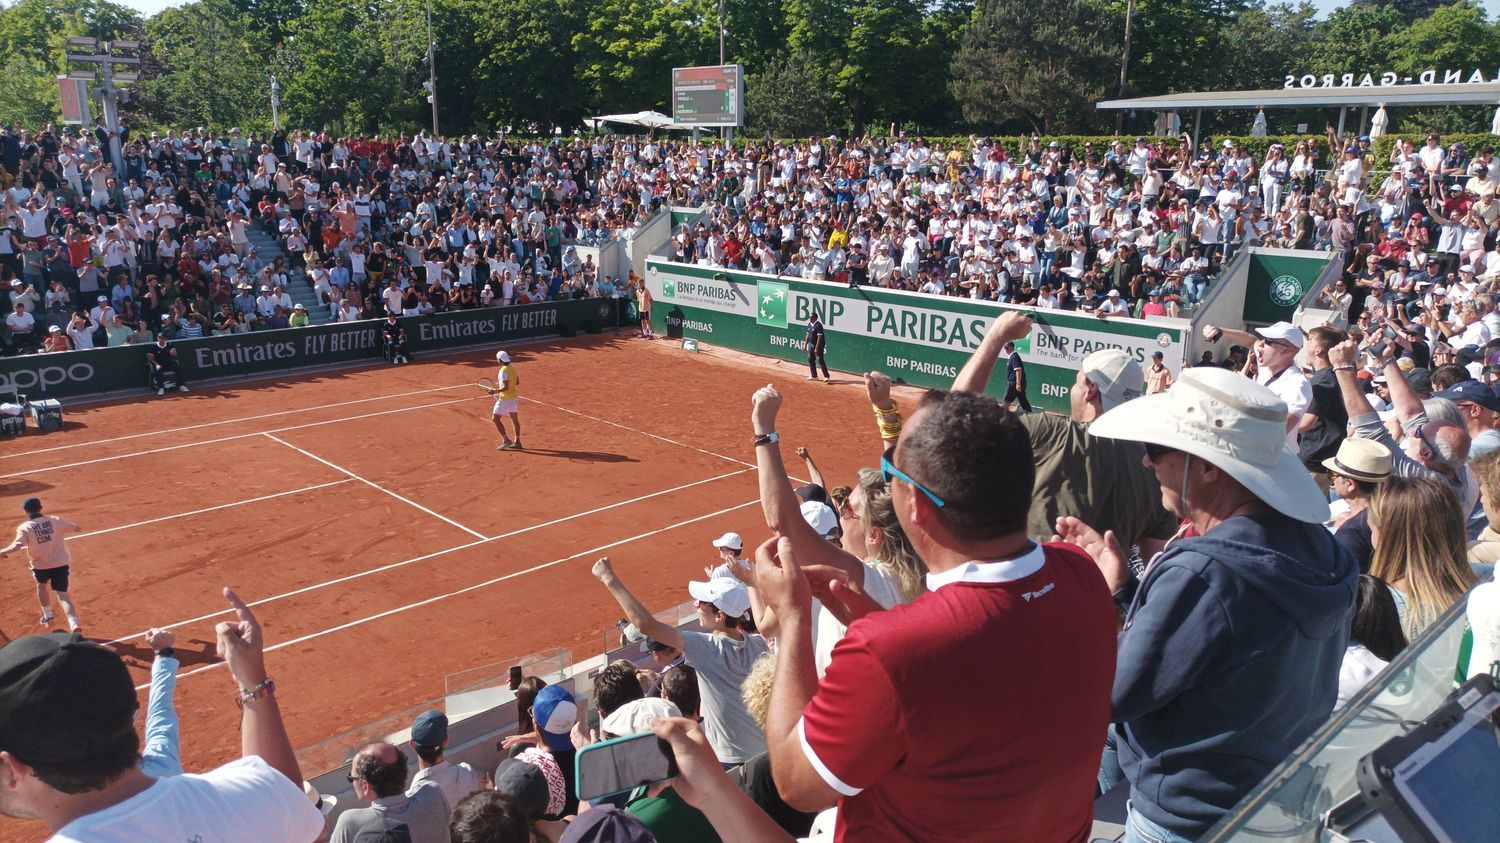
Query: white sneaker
160, 391
182, 388
46, 618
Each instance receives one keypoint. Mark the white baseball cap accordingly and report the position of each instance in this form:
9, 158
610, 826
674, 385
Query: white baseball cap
502, 356
729, 596
820, 516
1116, 374
1282, 331
729, 540
639, 716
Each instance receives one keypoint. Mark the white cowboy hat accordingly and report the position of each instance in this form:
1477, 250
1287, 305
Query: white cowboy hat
1230, 422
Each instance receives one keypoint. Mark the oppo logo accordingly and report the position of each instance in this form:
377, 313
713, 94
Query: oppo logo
42, 377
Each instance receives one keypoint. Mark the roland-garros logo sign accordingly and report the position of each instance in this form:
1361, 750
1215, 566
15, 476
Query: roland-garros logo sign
1388, 79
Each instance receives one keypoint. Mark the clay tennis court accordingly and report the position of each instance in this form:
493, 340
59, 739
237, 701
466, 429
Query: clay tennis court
381, 538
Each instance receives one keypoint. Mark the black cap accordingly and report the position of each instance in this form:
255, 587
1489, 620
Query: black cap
32, 505
812, 492
62, 698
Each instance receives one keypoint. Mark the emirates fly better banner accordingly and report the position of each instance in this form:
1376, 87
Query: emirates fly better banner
918, 339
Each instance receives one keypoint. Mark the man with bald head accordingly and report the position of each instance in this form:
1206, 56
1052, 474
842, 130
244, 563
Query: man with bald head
378, 773
1434, 448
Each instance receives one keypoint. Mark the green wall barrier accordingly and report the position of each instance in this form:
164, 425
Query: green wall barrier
78, 373
918, 339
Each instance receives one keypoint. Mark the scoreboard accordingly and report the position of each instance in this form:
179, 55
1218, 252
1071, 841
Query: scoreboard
708, 96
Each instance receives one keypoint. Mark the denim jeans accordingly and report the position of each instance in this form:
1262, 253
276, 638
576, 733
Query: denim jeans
1138, 829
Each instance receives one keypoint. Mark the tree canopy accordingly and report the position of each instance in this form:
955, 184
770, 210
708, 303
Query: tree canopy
813, 66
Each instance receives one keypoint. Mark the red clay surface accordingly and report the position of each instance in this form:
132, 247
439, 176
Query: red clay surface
635, 449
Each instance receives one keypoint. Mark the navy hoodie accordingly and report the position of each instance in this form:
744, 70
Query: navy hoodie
1229, 659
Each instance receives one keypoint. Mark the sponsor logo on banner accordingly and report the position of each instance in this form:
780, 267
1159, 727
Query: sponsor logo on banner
669, 289
1286, 290
770, 303
43, 378
1066, 347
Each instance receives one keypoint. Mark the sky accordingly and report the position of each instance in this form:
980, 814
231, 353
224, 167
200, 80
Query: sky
151, 7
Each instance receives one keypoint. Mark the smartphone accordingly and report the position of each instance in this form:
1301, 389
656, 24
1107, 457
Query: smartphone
515, 677
623, 764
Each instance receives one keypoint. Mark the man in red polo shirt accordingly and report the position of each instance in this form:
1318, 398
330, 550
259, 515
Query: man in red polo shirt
976, 712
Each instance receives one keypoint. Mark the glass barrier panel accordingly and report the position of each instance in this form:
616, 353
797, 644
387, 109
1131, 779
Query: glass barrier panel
487, 686
1290, 805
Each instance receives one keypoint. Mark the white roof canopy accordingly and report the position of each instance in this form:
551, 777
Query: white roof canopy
1336, 96
645, 119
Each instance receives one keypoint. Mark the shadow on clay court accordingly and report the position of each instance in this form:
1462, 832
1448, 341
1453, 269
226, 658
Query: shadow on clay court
579, 456
191, 652
23, 487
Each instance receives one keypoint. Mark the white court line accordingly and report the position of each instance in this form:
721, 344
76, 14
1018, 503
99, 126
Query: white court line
487, 583
641, 432
165, 431
208, 509
373, 485
166, 448
424, 557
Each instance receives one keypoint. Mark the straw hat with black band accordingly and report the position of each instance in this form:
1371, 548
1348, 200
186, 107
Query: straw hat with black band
1361, 459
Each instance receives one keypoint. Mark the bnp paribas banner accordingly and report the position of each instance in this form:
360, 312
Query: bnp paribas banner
918, 339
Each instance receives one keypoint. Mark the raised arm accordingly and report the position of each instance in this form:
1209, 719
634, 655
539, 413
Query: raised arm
975, 375
813, 474
262, 732
1342, 357
1213, 333
634, 611
1405, 400
777, 500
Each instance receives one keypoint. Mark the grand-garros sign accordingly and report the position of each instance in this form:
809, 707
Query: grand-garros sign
1387, 79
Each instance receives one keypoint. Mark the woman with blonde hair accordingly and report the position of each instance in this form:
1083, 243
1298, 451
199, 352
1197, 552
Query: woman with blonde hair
1421, 549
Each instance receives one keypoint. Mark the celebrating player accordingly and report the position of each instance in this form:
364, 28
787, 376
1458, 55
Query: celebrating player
507, 400
41, 535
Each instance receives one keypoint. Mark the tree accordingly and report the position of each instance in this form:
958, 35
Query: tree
1409, 10
32, 38
529, 72
792, 97
1354, 39
1455, 36
879, 47
1269, 42
627, 49
1040, 62
1174, 43
206, 67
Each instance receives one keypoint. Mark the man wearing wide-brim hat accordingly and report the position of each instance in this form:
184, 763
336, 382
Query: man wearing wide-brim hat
1233, 638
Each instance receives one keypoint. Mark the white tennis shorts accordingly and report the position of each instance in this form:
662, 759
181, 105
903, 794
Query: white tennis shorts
507, 405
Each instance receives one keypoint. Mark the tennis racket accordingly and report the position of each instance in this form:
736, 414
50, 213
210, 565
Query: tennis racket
485, 384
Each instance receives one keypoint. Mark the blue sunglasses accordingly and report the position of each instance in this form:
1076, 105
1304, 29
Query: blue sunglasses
887, 471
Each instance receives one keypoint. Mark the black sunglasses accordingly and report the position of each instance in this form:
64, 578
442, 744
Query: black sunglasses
1155, 452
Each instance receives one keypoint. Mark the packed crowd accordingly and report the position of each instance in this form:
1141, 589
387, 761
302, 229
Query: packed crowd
1170, 541
91, 256
421, 224
1128, 229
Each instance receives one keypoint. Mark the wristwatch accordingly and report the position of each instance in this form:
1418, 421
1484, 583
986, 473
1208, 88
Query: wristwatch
767, 439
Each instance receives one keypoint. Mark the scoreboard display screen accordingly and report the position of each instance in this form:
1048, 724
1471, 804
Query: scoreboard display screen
708, 96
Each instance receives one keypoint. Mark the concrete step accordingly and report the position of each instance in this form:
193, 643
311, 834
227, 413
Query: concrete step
300, 290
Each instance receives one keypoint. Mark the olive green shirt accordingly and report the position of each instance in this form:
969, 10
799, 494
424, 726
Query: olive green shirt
1100, 481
